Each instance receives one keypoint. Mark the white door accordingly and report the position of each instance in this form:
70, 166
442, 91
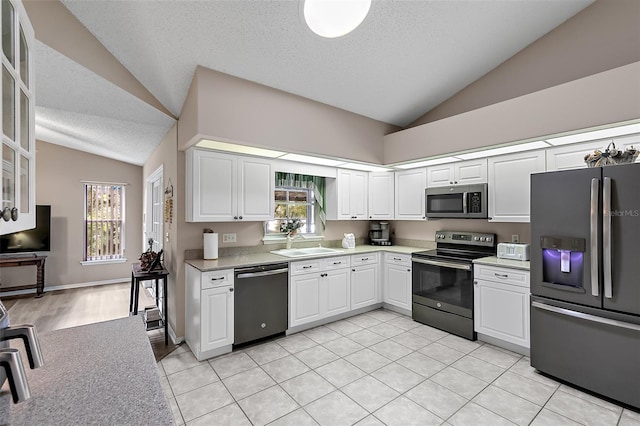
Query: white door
217, 317
510, 184
338, 291
154, 217
410, 187
381, 195
17, 121
364, 280
305, 299
256, 184
398, 286
502, 311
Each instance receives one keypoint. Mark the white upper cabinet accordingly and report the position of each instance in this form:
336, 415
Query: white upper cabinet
381, 195
460, 173
225, 188
348, 193
509, 185
571, 156
18, 146
410, 186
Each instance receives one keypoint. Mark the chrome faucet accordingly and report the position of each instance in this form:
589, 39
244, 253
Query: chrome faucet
10, 359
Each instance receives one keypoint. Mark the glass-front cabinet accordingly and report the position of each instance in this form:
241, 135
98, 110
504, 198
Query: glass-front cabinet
17, 210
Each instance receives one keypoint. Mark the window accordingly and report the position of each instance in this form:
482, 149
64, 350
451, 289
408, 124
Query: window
104, 222
301, 197
293, 203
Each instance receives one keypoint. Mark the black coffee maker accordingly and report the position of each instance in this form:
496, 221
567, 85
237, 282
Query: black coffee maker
379, 234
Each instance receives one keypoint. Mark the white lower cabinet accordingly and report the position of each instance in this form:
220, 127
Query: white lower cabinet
209, 312
365, 282
397, 280
501, 304
318, 289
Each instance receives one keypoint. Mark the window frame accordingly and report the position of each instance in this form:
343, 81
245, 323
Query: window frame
111, 256
310, 203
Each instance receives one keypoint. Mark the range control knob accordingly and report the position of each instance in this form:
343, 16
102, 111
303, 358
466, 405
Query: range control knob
482, 239
489, 239
476, 238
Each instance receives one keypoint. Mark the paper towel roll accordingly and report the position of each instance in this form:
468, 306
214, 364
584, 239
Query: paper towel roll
211, 245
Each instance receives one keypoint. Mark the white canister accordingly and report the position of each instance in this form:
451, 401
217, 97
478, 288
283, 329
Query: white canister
210, 245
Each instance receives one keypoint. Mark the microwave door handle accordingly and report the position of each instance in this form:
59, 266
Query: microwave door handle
606, 236
593, 225
464, 202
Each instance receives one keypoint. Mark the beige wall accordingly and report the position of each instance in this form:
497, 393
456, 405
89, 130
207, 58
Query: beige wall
609, 97
165, 155
603, 36
231, 109
59, 175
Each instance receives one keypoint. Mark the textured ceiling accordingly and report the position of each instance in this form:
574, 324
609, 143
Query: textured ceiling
406, 58
78, 109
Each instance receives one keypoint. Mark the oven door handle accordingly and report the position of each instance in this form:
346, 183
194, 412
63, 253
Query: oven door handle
462, 266
465, 195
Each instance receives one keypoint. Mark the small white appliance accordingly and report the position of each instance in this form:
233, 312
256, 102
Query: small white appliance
515, 251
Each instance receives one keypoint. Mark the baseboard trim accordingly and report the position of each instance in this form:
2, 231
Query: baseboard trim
175, 339
87, 284
66, 287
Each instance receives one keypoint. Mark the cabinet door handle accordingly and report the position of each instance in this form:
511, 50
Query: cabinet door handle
353, 270
364, 258
307, 267
475, 283
231, 289
235, 217
501, 275
217, 279
240, 217
337, 263
408, 270
397, 258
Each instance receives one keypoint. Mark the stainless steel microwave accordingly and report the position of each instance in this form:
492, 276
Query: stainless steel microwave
457, 202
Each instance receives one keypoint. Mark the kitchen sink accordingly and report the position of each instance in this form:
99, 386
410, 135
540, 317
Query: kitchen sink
309, 251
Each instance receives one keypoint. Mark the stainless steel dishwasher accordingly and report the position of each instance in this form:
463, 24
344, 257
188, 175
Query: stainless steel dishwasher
261, 302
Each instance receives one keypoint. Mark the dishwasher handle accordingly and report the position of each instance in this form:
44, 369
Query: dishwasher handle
262, 273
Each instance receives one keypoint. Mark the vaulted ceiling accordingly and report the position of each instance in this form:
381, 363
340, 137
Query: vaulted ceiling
405, 59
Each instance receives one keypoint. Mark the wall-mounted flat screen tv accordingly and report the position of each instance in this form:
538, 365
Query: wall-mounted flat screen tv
32, 240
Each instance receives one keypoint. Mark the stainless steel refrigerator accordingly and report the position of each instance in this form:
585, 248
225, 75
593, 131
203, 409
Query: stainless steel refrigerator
585, 278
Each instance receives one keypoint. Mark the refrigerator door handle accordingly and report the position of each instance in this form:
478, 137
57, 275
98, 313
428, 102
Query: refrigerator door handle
586, 317
593, 224
606, 236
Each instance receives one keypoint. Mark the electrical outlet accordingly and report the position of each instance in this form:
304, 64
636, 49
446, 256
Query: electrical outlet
228, 238
515, 238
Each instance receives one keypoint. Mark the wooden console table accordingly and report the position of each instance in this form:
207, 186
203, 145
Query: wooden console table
6, 262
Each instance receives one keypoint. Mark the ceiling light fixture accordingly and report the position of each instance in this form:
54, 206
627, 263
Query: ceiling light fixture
335, 18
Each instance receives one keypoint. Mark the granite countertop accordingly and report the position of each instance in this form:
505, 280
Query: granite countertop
243, 260
507, 263
101, 373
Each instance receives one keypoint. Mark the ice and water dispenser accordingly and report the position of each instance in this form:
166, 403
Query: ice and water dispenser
563, 261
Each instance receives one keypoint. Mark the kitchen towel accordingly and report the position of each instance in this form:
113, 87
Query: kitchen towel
211, 245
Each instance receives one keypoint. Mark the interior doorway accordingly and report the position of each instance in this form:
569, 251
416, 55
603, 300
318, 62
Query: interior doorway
153, 224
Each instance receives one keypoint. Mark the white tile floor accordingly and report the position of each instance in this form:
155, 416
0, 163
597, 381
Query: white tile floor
373, 369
